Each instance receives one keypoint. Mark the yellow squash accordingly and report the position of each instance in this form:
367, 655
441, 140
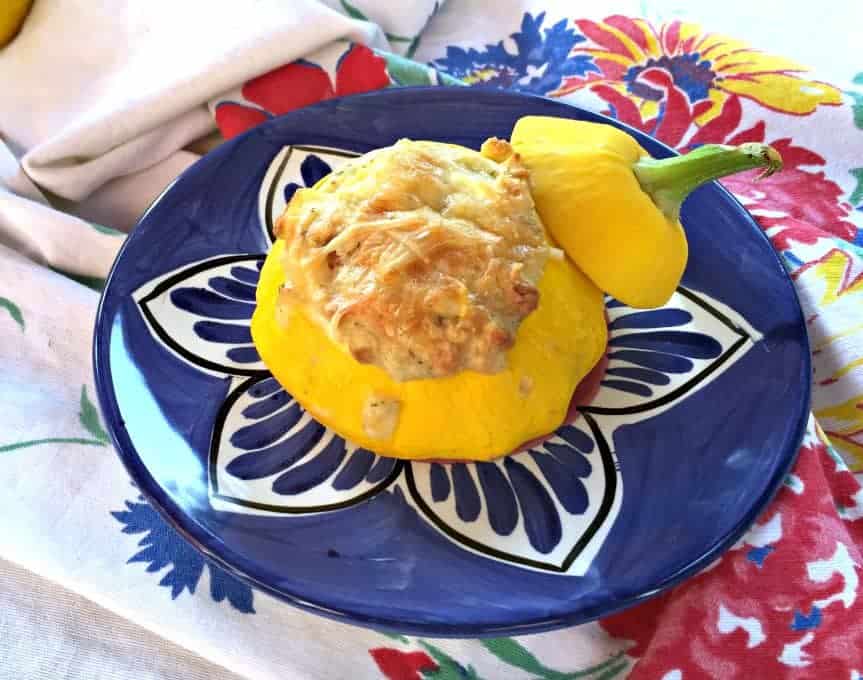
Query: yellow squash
466, 416
12, 15
612, 208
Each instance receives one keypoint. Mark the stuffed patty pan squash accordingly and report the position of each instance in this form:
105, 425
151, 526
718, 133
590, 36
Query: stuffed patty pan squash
414, 303
445, 242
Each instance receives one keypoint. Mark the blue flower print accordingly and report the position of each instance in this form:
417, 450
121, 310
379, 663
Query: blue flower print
541, 61
161, 546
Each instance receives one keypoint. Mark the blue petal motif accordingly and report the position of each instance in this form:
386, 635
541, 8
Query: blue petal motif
243, 355
234, 288
541, 521
656, 318
162, 547
638, 389
355, 471
265, 462
294, 167
563, 463
263, 388
262, 433
467, 503
268, 453
656, 356
665, 363
503, 512
566, 484
576, 437
645, 375
532, 507
314, 472
312, 170
803, 622
543, 58
440, 485
690, 73
248, 274
381, 470
266, 407
758, 555
694, 345
563, 468
203, 312
227, 333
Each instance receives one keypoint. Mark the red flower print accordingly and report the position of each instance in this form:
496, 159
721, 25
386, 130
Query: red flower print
798, 204
360, 70
773, 607
289, 87
398, 665
234, 119
300, 84
804, 199
786, 231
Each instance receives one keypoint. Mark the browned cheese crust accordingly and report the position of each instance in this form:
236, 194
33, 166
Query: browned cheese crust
421, 258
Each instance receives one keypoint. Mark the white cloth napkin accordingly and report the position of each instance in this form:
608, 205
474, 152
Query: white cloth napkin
103, 90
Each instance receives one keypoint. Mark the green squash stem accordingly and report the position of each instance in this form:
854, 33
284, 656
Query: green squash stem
670, 180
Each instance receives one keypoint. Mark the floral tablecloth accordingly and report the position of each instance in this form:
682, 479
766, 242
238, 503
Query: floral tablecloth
77, 169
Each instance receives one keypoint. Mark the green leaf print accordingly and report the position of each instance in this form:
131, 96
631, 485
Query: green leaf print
398, 38
413, 47
612, 672
857, 106
89, 418
414, 43
106, 230
856, 197
14, 311
857, 109
404, 71
448, 668
353, 12
512, 652
395, 636
96, 283
50, 440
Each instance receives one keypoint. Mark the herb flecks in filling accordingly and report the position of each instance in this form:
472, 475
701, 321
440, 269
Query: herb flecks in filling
421, 258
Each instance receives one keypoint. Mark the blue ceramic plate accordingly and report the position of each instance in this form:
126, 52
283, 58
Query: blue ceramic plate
696, 424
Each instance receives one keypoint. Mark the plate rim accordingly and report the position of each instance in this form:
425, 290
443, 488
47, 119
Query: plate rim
207, 544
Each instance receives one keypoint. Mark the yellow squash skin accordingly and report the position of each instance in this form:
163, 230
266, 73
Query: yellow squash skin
466, 416
12, 16
588, 198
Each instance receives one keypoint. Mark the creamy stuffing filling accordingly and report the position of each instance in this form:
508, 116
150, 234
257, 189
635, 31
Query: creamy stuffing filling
421, 258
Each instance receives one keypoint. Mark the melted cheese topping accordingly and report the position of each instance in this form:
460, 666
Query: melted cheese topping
421, 258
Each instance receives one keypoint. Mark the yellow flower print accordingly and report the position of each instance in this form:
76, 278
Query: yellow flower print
831, 291
709, 67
